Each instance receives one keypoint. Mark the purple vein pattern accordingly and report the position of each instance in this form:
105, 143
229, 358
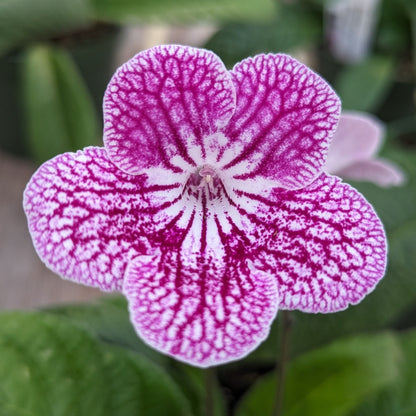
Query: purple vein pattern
207, 207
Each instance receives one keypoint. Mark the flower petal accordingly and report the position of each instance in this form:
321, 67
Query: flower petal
324, 243
379, 171
162, 104
285, 117
358, 137
88, 219
201, 303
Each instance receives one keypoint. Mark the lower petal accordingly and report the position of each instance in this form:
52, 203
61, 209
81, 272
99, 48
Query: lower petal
324, 243
196, 315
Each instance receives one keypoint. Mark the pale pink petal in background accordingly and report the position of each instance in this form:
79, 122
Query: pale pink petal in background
353, 151
378, 171
357, 137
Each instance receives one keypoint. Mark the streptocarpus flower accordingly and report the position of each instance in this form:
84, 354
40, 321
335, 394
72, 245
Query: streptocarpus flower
353, 151
207, 206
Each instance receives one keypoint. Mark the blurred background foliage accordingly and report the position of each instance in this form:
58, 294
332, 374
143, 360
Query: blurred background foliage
56, 58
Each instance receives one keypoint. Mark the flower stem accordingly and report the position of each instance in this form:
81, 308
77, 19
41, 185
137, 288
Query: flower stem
209, 391
281, 367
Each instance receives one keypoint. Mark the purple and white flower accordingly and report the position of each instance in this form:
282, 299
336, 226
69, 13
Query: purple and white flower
207, 206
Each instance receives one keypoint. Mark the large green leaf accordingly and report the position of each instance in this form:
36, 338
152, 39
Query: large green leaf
23, 21
182, 10
363, 86
332, 380
413, 33
51, 367
108, 320
293, 27
400, 398
193, 382
59, 110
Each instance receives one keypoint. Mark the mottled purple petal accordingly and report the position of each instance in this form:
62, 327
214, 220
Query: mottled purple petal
162, 107
358, 137
324, 243
88, 219
378, 171
285, 117
199, 298
199, 317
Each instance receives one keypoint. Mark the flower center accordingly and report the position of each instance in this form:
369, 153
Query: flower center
205, 181
208, 175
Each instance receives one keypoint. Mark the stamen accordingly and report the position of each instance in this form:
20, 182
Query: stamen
208, 174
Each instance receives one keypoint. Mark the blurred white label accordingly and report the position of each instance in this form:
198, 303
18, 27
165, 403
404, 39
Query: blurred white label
350, 26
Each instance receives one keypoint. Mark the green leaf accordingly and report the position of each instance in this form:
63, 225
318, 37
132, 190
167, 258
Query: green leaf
399, 399
294, 27
77, 106
51, 367
193, 383
413, 33
181, 10
332, 380
59, 110
393, 35
363, 86
23, 21
108, 320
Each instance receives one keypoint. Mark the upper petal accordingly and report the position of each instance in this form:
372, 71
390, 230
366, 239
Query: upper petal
161, 105
285, 117
88, 219
324, 243
358, 137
